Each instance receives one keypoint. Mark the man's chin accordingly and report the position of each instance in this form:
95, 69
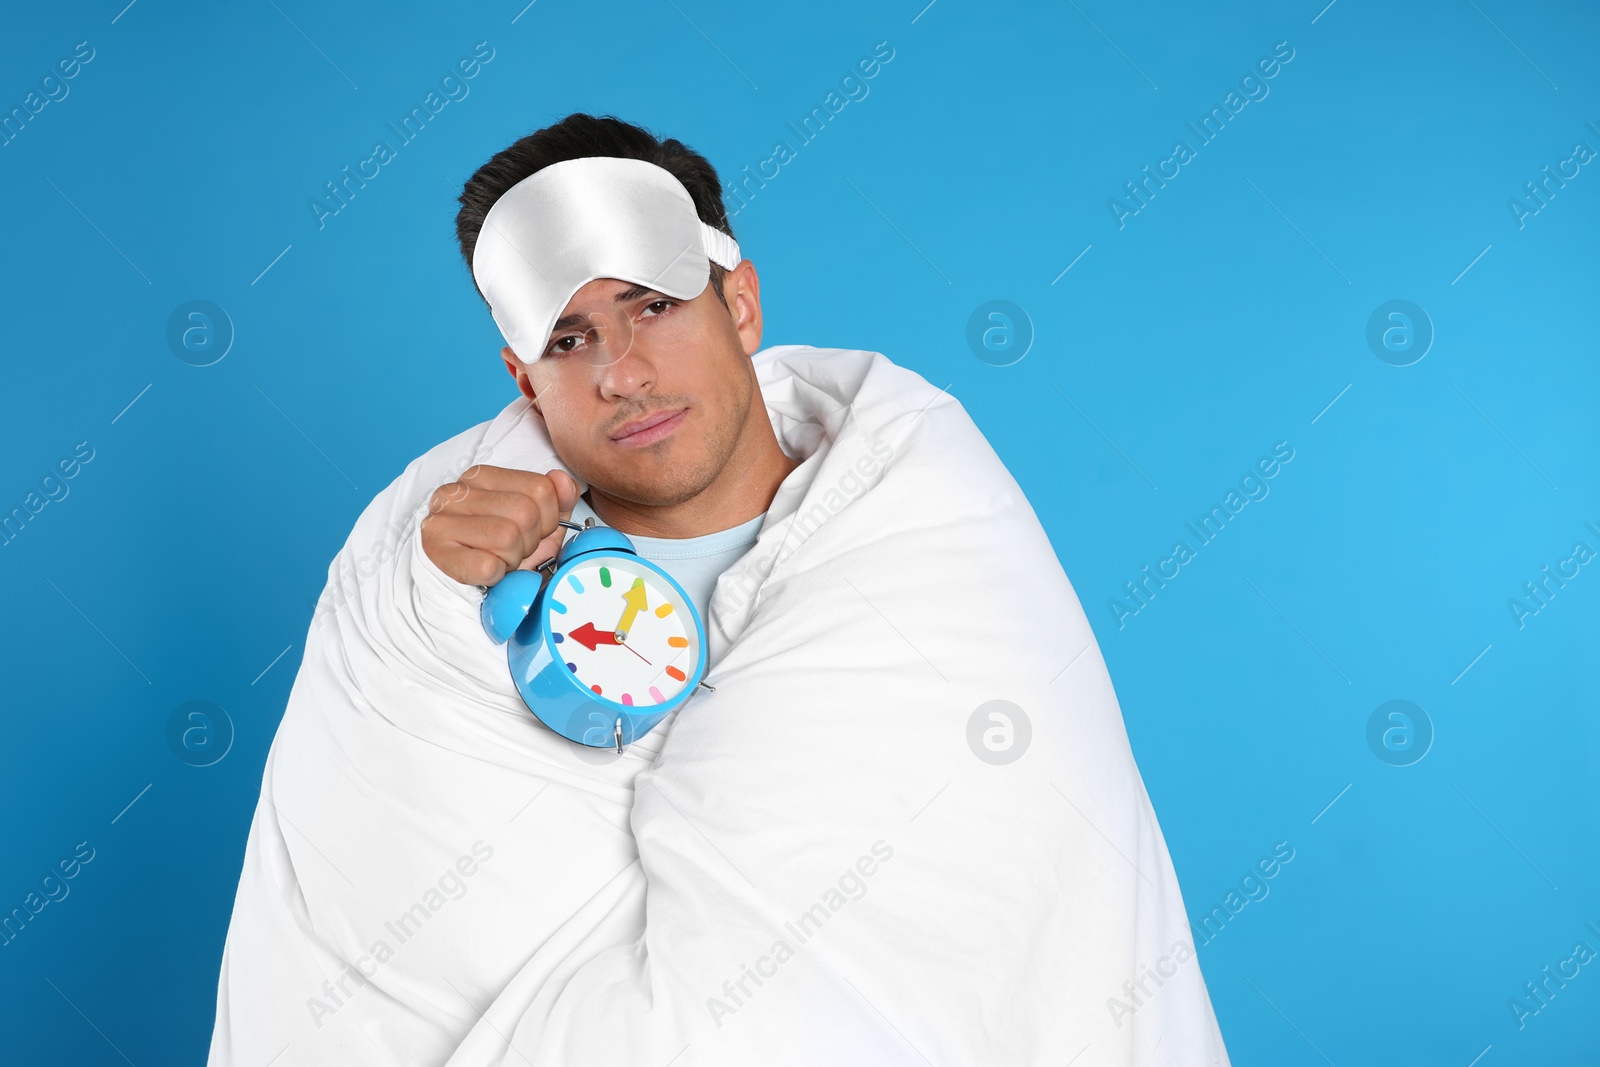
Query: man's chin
652, 489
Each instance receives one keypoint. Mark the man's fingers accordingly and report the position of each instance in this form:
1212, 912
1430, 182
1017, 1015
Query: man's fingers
493, 535
532, 512
471, 566
535, 515
546, 549
495, 519
503, 479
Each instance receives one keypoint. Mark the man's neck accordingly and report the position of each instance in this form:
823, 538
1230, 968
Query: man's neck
745, 490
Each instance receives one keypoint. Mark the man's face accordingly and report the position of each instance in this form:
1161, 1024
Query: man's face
687, 362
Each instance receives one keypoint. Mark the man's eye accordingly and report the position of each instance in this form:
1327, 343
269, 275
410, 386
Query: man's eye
560, 347
570, 342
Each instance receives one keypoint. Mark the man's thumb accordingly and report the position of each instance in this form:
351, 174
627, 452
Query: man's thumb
567, 491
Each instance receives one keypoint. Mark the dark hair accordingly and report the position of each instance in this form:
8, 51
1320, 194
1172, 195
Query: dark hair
578, 136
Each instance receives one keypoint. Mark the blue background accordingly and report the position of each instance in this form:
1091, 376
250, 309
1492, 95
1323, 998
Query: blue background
1223, 317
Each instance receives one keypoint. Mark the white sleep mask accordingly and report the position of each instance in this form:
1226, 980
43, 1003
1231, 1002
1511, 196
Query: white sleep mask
581, 219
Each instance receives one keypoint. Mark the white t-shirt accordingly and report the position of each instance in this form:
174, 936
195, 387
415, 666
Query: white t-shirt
696, 562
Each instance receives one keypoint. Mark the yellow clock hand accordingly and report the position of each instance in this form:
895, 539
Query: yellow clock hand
636, 600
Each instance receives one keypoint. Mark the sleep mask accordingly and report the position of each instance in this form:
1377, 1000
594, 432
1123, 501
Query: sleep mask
581, 219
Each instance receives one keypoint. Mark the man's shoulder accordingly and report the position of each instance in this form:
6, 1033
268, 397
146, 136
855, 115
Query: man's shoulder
513, 438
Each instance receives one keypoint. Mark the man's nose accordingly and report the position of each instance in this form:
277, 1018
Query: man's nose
607, 337
626, 369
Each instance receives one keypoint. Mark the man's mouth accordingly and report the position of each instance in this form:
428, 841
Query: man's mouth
649, 429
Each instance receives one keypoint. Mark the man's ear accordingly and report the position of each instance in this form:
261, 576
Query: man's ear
514, 366
741, 287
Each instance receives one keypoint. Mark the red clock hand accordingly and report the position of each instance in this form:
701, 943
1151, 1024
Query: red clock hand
590, 638
587, 636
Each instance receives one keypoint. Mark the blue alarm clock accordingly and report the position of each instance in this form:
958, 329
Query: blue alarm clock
606, 647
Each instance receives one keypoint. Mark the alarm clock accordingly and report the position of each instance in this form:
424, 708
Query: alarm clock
603, 648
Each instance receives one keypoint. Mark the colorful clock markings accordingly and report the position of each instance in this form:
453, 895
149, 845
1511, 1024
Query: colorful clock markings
586, 620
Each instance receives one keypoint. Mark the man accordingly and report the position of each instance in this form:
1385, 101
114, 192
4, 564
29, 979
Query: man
710, 466
903, 826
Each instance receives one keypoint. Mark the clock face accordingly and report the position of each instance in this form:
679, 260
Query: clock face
604, 595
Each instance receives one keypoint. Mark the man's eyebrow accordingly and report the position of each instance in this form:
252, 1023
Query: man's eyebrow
631, 293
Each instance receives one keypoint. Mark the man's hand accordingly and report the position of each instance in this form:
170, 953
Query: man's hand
495, 520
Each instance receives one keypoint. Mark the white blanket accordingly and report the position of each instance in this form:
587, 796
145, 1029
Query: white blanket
813, 865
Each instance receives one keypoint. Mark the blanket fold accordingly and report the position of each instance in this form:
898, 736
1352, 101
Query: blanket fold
906, 828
